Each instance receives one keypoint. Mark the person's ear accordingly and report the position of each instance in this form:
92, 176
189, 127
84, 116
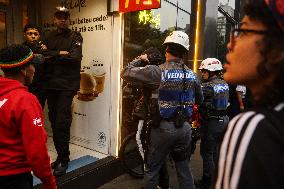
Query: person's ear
24, 72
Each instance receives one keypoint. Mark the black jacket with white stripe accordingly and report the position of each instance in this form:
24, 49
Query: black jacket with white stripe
252, 151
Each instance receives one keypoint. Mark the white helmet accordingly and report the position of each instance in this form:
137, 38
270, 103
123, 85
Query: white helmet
178, 37
211, 64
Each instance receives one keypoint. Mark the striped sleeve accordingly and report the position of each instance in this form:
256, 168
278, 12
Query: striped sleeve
234, 148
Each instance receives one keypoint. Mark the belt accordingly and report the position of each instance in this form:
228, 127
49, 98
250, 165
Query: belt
173, 119
168, 119
218, 113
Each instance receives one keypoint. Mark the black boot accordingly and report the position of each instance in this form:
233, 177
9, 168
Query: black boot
203, 183
60, 169
55, 164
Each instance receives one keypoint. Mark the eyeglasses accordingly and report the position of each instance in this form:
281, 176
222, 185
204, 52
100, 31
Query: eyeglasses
238, 32
32, 33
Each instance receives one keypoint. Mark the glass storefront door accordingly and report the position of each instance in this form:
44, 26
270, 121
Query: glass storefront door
3, 35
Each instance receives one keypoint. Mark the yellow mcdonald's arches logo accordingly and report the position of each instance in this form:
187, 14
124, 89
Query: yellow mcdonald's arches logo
126, 4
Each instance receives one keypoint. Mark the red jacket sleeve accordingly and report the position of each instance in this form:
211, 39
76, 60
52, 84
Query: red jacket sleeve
34, 138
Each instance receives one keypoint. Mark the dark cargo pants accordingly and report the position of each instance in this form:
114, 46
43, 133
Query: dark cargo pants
165, 140
211, 131
60, 116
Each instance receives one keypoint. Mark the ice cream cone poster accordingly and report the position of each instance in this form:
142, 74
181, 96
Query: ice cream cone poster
99, 74
92, 81
87, 90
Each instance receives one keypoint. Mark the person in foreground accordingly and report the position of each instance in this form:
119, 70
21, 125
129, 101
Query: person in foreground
251, 155
178, 90
23, 138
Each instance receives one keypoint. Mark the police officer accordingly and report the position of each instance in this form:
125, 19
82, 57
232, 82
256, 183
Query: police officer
178, 90
214, 115
64, 49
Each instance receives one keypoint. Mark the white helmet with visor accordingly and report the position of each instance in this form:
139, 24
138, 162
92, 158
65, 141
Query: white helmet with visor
211, 64
178, 37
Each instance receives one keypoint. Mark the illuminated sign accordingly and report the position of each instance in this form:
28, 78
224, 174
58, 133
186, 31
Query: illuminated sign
136, 5
148, 17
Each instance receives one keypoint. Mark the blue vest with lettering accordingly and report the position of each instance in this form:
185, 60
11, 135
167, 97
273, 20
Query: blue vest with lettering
172, 95
216, 93
221, 92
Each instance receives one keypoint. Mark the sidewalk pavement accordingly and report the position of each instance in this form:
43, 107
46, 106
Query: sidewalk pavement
125, 181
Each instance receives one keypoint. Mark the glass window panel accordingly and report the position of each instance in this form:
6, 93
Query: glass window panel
3, 40
183, 20
171, 1
140, 36
168, 16
185, 5
4, 2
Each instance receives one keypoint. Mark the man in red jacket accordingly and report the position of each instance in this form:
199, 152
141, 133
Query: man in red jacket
22, 136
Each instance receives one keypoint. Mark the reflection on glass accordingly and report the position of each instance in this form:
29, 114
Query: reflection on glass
3, 40
172, 1
4, 2
144, 29
223, 31
168, 16
185, 5
183, 21
149, 17
25, 15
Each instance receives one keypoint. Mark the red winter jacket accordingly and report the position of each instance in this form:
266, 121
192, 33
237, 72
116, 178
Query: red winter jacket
22, 135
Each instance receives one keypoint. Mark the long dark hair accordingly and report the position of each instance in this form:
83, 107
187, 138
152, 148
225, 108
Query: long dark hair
272, 51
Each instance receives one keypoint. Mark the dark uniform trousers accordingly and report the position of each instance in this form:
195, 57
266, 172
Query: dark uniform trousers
40, 94
59, 105
211, 131
165, 140
19, 181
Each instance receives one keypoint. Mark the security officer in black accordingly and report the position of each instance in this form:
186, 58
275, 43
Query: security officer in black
32, 40
64, 52
214, 116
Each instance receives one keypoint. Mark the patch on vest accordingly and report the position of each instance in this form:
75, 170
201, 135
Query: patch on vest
220, 88
177, 75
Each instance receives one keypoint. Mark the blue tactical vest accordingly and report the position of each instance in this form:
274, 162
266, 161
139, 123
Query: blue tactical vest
172, 96
216, 91
221, 97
